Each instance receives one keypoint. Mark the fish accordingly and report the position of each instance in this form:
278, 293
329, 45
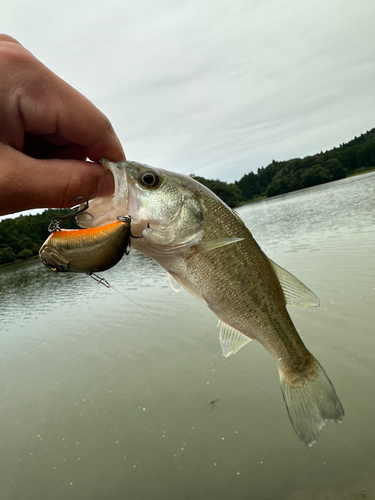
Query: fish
86, 250
207, 249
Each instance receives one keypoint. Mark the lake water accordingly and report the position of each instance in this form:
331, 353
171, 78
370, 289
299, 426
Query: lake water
104, 396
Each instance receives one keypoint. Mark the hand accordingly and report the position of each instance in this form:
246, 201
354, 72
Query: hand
47, 131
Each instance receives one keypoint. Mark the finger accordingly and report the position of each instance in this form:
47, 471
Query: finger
38, 146
72, 152
27, 183
76, 120
64, 113
38, 101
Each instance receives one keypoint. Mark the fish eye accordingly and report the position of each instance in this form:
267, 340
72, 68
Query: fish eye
149, 179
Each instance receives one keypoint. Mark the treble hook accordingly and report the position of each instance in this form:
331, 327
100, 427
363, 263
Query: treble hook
99, 280
56, 221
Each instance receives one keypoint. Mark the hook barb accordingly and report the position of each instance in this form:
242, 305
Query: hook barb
56, 221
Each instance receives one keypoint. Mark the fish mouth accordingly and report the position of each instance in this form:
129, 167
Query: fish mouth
106, 209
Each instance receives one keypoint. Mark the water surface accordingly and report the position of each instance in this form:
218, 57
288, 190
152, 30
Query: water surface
106, 394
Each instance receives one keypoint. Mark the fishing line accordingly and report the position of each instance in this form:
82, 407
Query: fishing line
107, 285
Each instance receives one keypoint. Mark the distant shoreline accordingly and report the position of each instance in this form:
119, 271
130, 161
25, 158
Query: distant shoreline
18, 261
262, 198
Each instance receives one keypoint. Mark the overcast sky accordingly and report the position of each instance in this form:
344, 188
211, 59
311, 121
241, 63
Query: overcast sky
215, 88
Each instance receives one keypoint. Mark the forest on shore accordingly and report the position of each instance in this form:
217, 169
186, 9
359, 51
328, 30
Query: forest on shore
22, 237
280, 177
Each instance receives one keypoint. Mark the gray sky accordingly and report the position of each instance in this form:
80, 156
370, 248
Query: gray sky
211, 87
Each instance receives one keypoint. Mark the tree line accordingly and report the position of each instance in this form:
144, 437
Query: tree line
281, 177
22, 237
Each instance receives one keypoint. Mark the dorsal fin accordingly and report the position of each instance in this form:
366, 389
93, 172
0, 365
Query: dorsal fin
295, 292
237, 216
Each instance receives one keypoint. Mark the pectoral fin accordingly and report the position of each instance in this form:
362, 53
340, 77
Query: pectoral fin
209, 245
295, 292
231, 340
160, 248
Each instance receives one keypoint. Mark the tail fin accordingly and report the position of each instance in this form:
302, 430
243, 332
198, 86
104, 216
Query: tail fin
311, 403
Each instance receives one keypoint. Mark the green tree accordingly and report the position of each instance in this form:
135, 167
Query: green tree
336, 168
315, 175
229, 193
7, 255
23, 254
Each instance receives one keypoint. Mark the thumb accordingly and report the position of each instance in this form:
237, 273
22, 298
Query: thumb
27, 182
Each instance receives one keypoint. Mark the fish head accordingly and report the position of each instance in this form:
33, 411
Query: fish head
164, 206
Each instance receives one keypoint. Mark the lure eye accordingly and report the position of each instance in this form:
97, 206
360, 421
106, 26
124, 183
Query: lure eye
149, 179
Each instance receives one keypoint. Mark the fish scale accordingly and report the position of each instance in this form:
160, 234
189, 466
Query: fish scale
208, 250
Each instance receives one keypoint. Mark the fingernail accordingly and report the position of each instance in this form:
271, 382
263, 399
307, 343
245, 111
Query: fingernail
107, 184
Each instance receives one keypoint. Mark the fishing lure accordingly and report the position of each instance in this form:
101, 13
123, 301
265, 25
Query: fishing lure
85, 250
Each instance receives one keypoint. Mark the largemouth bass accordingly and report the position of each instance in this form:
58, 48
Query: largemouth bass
86, 250
207, 249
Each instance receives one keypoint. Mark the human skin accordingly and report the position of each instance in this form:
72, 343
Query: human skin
48, 130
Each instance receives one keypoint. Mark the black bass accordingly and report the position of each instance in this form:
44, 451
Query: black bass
86, 250
207, 249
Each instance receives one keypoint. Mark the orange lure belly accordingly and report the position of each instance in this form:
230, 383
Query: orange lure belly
86, 250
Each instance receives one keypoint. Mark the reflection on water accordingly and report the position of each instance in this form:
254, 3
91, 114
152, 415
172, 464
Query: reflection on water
104, 398
311, 216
